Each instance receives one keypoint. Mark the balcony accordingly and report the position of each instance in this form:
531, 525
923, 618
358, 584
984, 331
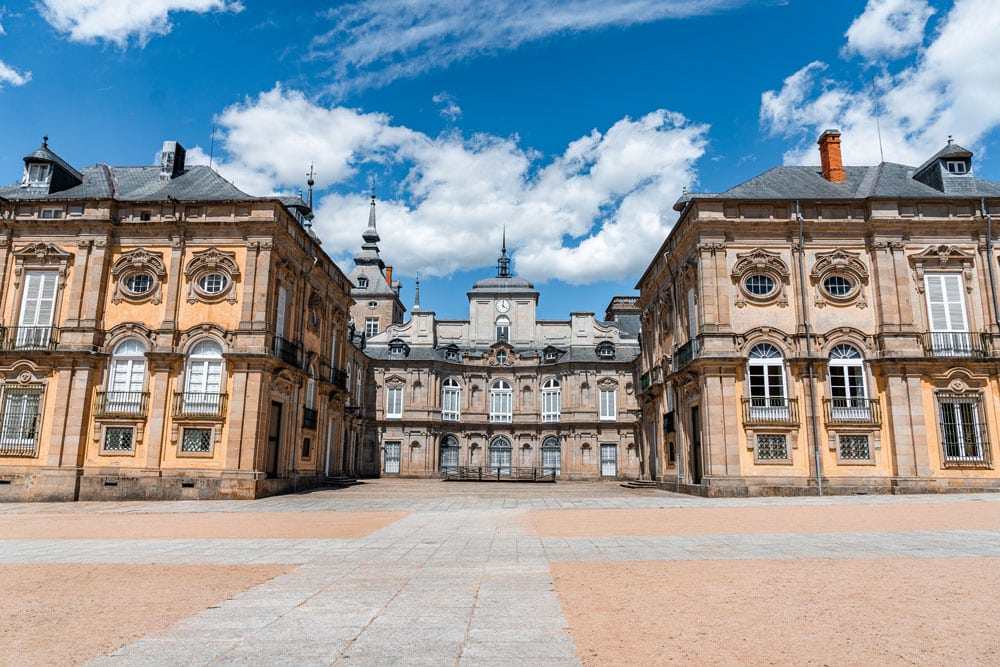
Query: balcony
852, 411
309, 418
129, 404
338, 378
770, 411
29, 338
685, 354
196, 405
955, 344
287, 351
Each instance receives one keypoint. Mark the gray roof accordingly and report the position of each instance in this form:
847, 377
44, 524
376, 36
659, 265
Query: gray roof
888, 180
140, 184
624, 352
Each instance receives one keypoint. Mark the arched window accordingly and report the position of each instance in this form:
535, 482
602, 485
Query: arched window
766, 369
551, 400
848, 395
503, 328
500, 456
551, 456
451, 400
449, 455
126, 378
203, 379
500, 402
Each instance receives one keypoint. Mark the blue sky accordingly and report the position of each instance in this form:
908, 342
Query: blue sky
574, 124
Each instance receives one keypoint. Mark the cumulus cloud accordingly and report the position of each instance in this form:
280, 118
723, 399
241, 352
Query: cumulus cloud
117, 21
591, 213
888, 28
947, 88
374, 42
10, 76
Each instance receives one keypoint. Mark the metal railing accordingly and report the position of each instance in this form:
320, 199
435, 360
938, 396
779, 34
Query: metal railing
500, 474
338, 378
770, 411
309, 418
955, 344
852, 411
287, 351
200, 405
29, 338
122, 403
685, 354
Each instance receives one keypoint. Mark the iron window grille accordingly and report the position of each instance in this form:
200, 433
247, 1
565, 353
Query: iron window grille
19, 422
119, 439
197, 440
854, 448
772, 447
964, 439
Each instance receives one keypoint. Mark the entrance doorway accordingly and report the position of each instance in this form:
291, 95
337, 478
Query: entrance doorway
609, 460
273, 440
391, 466
695, 445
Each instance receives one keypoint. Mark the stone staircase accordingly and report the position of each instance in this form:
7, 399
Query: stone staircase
339, 481
640, 484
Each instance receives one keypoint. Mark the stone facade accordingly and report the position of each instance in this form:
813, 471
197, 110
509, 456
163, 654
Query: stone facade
827, 326
166, 335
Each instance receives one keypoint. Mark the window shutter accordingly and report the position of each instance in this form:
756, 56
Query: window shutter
39, 302
279, 318
945, 303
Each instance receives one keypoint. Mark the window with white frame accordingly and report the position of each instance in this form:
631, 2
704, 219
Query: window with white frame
848, 396
36, 173
203, 379
371, 327
501, 396
609, 407
503, 328
362, 282
38, 302
126, 378
963, 428
394, 403
949, 329
551, 400
451, 400
551, 456
766, 372
19, 424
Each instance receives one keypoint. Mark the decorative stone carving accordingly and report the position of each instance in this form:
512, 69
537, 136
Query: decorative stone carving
839, 278
139, 276
201, 272
943, 258
760, 262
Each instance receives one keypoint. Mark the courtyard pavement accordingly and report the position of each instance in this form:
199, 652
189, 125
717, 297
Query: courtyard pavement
460, 580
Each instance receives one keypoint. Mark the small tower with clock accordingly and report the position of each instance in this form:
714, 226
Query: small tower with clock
503, 307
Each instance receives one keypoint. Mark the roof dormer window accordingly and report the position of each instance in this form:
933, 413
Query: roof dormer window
37, 173
956, 166
397, 348
606, 350
362, 282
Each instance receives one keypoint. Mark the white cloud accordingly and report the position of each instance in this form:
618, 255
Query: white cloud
374, 42
117, 21
589, 214
449, 108
10, 76
890, 28
949, 88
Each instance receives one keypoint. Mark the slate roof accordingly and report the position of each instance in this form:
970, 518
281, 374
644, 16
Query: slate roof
886, 180
140, 184
576, 353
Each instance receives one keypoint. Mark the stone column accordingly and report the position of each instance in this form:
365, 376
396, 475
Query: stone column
162, 367
69, 431
175, 280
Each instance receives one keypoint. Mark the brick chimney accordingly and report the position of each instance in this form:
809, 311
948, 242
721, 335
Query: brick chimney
829, 156
388, 275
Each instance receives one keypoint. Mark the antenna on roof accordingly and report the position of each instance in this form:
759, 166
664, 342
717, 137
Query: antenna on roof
310, 182
878, 125
211, 150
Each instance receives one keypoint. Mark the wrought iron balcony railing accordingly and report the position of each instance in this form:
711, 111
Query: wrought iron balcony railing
780, 411
287, 351
30, 338
338, 378
852, 411
309, 418
955, 344
685, 354
196, 405
122, 404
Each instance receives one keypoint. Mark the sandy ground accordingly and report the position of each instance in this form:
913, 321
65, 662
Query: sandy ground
196, 525
791, 612
759, 520
69, 614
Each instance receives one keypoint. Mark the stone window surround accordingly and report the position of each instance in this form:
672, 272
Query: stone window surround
844, 264
134, 262
207, 262
762, 262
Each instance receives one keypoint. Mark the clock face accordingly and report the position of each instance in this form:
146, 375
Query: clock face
503, 305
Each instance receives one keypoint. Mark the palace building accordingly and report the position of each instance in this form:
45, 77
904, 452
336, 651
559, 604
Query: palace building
831, 328
165, 335
501, 394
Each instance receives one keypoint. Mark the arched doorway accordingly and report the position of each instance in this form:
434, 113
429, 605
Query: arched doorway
500, 456
448, 456
551, 456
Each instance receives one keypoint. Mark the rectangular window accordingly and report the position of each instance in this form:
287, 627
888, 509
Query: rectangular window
946, 315
371, 327
280, 312
20, 420
306, 447
551, 407
36, 173
197, 440
609, 460
854, 448
609, 410
772, 447
956, 166
391, 466
450, 403
37, 310
963, 430
394, 403
52, 213
500, 407
119, 439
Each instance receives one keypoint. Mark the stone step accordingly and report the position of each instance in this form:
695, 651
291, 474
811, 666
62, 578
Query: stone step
640, 484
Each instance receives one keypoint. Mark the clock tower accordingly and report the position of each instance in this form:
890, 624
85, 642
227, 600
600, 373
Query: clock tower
503, 308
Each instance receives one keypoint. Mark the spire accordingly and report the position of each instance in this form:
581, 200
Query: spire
503, 264
310, 183
371, 234
416, 296
369, 249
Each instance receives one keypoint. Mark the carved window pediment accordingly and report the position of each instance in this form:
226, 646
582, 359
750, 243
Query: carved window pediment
760, 277
212, 276
139, 276
943, 258
839, 278
394, 381
41, 256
